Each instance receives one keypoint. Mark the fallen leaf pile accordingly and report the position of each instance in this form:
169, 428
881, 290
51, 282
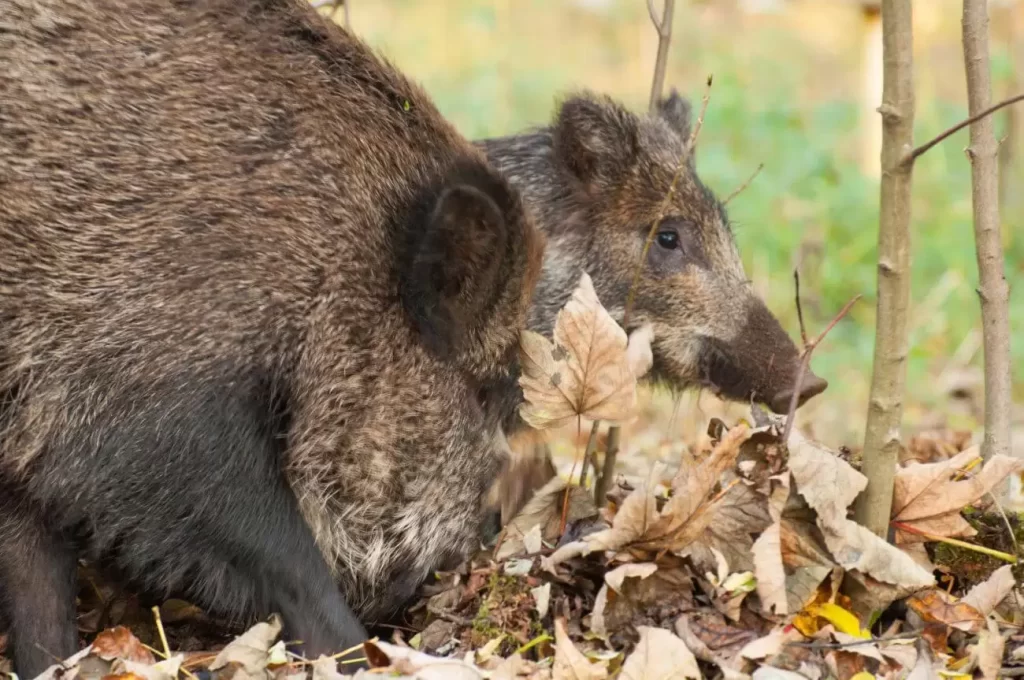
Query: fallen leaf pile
743, 562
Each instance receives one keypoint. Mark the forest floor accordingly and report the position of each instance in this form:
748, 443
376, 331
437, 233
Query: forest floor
729, 555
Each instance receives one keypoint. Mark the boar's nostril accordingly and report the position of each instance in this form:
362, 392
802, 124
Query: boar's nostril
811, 386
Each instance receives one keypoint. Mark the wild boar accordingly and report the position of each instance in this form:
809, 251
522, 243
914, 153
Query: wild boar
256, 299
595, 180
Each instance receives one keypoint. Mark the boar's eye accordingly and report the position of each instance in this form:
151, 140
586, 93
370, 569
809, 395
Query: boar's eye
668, 239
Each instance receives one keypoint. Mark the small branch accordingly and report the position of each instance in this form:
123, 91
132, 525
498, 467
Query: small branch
917, 152
805, 361
664, 28
160, 630
998, 554
608, 469
692, 144
442, 614
588, 455
741, 188
854, 643
993, 288
799, 308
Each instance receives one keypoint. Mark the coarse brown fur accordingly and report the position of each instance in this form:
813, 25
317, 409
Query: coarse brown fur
255, 292
595, 180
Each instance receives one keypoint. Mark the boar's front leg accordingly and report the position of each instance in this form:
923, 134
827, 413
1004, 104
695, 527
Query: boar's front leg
37, 587
179, 484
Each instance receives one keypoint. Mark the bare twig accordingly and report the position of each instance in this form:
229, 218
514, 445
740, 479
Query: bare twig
442, 614
918, 151
692, 144
993, 289
799, 308
805, 360
741, 188
160, 630
888, 375
991, 552
664, 28
588, 455
334, 5
913, 635
608, 469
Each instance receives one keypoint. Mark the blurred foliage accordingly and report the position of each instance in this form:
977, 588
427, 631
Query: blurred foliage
787, 90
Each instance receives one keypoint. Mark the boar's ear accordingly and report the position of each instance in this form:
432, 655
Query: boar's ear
677, 112
595, 138
452, 276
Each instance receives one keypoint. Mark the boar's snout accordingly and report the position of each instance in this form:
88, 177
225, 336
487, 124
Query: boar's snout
760, 362
811, 386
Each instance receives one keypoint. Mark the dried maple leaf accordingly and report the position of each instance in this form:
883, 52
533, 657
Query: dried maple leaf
570, 663
251, 649
829, 485
590, 370
937, 606
743, 513
167, 669
629, 592
119, 643
660, 655
826, 481
683, 519
987, 595
767, 552
929, 497
544, 509
988, 653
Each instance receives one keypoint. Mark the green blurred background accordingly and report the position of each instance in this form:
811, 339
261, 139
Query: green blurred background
789, 91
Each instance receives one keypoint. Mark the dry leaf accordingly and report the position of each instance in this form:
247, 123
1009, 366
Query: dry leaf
856, 547
542, 598
167, 669
659, 655
770, 644
988, 653
635, 515
326, 668
589, 369
829, 485
419, 665
251, 649
545, 509
615, 577
826, 481
928, 497
986, 596
771, 576
119, 643
767, 552
743, 513
806, 561
683, 519
570, 663
937, 606
670, 588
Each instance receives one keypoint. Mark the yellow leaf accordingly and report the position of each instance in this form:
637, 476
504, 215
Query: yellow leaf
844, 620
590, 370
863, 675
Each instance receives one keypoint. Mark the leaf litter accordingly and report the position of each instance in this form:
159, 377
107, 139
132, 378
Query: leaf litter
742, 563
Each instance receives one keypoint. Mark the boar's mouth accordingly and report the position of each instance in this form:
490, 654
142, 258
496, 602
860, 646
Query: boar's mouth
760, 364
